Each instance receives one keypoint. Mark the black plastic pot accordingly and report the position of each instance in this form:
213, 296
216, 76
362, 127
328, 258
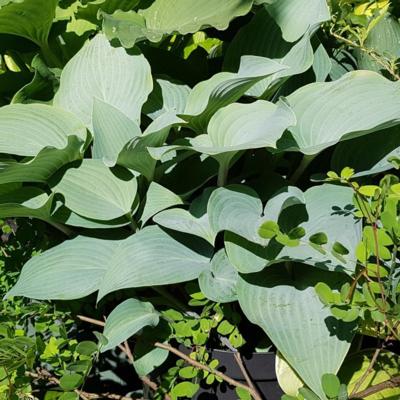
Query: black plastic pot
260, 367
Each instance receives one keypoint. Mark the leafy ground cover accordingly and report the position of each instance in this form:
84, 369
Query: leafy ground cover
178, 177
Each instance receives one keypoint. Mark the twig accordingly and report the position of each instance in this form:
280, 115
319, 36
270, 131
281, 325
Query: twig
388, 384
45, 375
196, 364
239, 362
215, 372
367, 371
370, 52
127, 351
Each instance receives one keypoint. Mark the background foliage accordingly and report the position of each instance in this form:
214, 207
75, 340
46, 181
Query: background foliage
182, 176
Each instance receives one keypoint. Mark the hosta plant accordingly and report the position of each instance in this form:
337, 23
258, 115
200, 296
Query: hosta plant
177, 147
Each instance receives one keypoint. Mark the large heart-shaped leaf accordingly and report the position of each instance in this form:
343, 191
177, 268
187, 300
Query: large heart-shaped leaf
121, 80
158, 198
94, 191
167, 96
325, 208
333, 111
31, 19
225, 88
83, 265
127, 319
25, 130
245, 126
322, 64
166, 17
237, 209
219, 282
71, 270
135, 154
300, 326
193, 221
262, 37
43, 166
295, 17
153, 257
26, 202
238, 127
112, 130
65, 216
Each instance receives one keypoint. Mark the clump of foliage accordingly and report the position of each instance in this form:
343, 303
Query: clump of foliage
163, 181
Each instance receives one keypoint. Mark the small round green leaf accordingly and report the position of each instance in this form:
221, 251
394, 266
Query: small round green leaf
330, 385
325, 293
86, 348
319, 238
268, 229
340, 249
185, 389
71, 381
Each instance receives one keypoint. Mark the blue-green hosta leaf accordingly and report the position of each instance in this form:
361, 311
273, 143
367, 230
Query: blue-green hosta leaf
311, 340
166, 17
83, 265
63, 215
94, 191
153, 257
384, 39
158, 198
380, 146
70, 270
330, 210
322, 64
43, 166
167, 96
112, 130
298, 60
238, 209
225, 88
43, 80
26, 202
295, 17
326, 208
252, 253
182, 220
135, 155
219, 282
26, 129
260, 37
31, 19
193, 221
121, 80
149, 361
238, 127
126, 320
245, 126
328, 112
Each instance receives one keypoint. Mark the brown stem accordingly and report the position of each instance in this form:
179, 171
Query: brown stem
388, 384
45, 375
368, 370
196, 364
127, 351
215, 372
370, 52
239, 362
